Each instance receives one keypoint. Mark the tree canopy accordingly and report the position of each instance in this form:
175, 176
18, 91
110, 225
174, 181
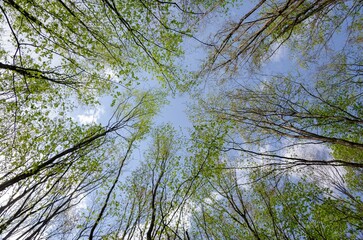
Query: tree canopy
275, 151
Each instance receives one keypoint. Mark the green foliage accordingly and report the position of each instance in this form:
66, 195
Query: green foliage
247, 170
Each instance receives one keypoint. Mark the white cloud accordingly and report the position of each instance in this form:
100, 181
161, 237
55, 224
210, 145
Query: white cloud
309, 151
91, 115
325, 176
279, 54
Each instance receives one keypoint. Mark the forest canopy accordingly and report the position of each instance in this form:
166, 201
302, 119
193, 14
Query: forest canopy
275, 102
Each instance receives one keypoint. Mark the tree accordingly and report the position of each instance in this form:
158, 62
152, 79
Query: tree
272, 208
268, 25
156, 197
49, 178
285, 109
76, 42
318, 103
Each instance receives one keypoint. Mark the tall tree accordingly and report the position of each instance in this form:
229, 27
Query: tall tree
316, 102
272, 208
268, 24
47, 178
